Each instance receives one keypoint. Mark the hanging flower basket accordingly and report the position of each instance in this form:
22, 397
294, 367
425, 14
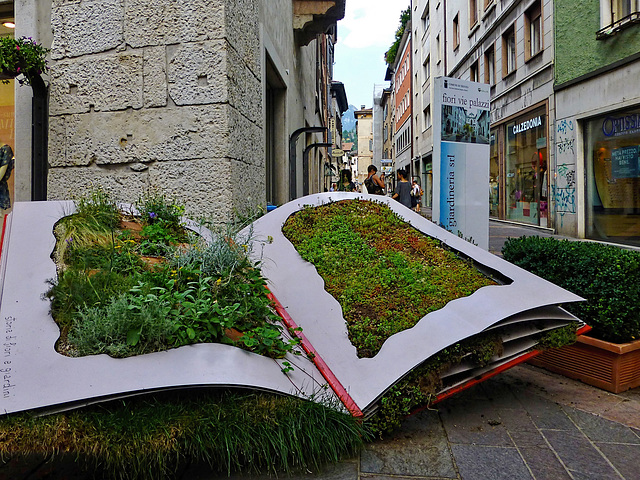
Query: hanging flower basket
22, 59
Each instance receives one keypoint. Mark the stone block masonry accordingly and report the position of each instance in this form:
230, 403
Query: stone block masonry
158, 93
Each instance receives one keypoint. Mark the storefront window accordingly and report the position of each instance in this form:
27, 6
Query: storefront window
427, 181
494, 174
526, 184
612, 151
7, 129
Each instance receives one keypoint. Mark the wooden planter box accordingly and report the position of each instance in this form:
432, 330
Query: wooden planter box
614, 367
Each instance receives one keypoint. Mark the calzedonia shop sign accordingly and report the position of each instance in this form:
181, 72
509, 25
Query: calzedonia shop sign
527, 125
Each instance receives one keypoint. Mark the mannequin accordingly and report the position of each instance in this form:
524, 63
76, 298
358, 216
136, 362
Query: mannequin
6, 166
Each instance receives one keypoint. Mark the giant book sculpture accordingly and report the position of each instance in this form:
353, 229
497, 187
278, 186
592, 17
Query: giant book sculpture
36, 377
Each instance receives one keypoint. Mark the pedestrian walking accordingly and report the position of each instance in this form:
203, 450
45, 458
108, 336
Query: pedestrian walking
403, 189
416, 196
345, 184
375, 186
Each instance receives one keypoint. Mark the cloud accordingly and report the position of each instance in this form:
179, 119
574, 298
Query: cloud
369, 23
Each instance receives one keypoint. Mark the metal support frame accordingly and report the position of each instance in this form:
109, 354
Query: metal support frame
292, 155
305, 165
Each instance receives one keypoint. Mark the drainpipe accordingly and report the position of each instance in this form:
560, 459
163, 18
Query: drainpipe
305, 165
444, 36
292, 155
39, 137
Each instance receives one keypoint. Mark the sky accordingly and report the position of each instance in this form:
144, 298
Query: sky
364, 34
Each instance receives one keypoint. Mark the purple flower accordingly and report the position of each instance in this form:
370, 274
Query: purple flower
69, 240
153, 215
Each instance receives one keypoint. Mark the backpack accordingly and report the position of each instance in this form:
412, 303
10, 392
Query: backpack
372, 187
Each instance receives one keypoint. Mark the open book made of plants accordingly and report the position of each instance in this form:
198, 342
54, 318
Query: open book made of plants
383, 294
379, 291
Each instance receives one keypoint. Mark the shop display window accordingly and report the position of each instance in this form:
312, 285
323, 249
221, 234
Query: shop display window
612, 155
526, 175
494, 175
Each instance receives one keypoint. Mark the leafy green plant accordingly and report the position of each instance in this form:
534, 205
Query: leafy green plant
608, 277
155, 207
391, 54
159, 238
22, 57
420, 386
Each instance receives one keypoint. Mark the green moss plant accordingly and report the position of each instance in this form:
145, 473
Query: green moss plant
385, 274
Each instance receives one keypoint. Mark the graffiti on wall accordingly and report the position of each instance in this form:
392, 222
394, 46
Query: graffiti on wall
564, 190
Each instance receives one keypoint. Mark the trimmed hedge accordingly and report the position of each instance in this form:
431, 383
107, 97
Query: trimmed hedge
608, 277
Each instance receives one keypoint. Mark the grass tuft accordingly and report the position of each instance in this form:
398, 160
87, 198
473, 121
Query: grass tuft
149, 438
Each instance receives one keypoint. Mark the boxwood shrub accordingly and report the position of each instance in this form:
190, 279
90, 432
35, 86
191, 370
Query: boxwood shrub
608, 277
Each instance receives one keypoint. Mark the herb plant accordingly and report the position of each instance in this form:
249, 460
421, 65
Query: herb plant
109, 299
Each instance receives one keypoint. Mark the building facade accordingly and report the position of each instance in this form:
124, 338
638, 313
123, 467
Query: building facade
424, 62
364, 131
402, 92
198, 99
509, 45
597, 130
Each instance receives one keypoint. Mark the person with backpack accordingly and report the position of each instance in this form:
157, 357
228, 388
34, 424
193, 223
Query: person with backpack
374, 184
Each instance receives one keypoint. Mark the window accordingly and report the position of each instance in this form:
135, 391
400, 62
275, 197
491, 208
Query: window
621, 13
612, 203
473, 13
509, 51
438, 53
533, 30
426, 117
456, 32
622, 8
490, 66
425, 18
473, 72
426, 68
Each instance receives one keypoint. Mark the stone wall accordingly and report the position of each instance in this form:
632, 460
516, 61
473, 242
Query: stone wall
160, 94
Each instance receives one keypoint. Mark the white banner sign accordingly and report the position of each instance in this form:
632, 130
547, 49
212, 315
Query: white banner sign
461, 158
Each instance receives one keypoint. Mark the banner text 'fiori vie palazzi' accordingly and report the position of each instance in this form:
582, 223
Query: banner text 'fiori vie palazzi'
448, 99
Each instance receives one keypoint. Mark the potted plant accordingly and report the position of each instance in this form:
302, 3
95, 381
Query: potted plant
21, 57
608, 277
